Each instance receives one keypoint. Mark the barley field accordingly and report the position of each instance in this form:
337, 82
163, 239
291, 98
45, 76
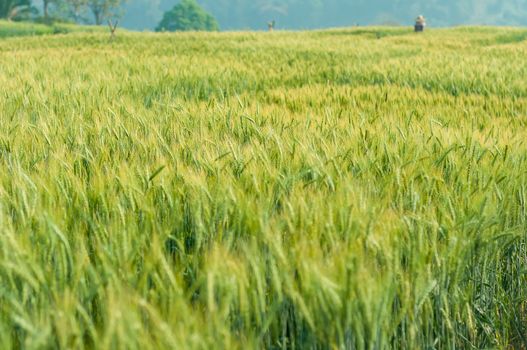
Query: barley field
360, 188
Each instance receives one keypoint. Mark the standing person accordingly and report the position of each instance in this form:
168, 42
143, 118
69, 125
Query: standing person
420, 24
271, 25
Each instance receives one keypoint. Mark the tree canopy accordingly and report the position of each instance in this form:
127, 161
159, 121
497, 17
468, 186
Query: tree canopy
185, 16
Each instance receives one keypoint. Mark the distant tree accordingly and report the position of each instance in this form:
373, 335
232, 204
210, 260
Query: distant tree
103, 9
11, 9
53, 10
62, 11
187, 15
45, 7
75, 9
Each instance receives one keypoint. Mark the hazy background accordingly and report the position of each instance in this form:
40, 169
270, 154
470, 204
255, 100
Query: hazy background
308, 14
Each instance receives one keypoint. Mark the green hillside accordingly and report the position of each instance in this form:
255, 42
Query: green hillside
343, 189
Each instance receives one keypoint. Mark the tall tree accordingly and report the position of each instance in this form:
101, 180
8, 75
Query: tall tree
187, 15
103, 9
45, 6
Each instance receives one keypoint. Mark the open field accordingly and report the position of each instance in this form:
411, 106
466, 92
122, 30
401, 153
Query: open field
345, 189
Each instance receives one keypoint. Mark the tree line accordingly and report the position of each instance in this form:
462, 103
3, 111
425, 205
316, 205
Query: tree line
78, 11
185, 15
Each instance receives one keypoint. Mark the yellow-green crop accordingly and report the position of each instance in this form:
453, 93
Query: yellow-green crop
344, 189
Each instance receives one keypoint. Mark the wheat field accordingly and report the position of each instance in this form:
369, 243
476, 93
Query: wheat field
360, 188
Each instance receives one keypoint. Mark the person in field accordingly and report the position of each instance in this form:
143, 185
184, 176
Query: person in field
420, 24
